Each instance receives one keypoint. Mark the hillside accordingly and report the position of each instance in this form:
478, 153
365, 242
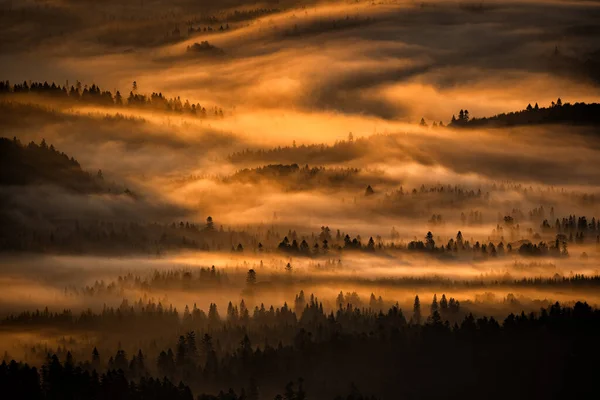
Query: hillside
557, 113
43, 164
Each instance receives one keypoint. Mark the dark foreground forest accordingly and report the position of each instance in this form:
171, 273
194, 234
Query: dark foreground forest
348, 354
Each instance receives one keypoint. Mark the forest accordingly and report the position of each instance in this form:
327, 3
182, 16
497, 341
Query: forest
299, 200
93, 95
556, 113
320, 344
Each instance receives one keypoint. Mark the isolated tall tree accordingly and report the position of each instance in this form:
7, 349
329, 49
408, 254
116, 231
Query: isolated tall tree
429, 242
434, 304
371, 245
444, 303
417, 311
118, 99
210, 225
459, 238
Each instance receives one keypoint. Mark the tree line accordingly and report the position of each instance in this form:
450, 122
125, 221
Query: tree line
94, 95
551, 353
557, 112
42, 163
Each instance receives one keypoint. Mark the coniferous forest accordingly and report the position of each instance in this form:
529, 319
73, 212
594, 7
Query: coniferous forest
299, 200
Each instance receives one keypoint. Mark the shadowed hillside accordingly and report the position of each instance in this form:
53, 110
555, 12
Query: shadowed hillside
557, 113
43, 164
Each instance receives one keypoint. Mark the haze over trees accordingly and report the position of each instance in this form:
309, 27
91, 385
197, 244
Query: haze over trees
313, 343
93, 95
291, 200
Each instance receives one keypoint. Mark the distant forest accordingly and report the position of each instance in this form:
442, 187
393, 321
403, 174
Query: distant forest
295, 177
340, 151
94, 95
556, 113
187, 280
34, 164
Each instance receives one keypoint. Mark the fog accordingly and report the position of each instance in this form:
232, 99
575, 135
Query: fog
60, 281
329, 159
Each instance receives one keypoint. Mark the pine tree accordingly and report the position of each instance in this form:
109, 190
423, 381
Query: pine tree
417, 311
434, 304
443, 303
